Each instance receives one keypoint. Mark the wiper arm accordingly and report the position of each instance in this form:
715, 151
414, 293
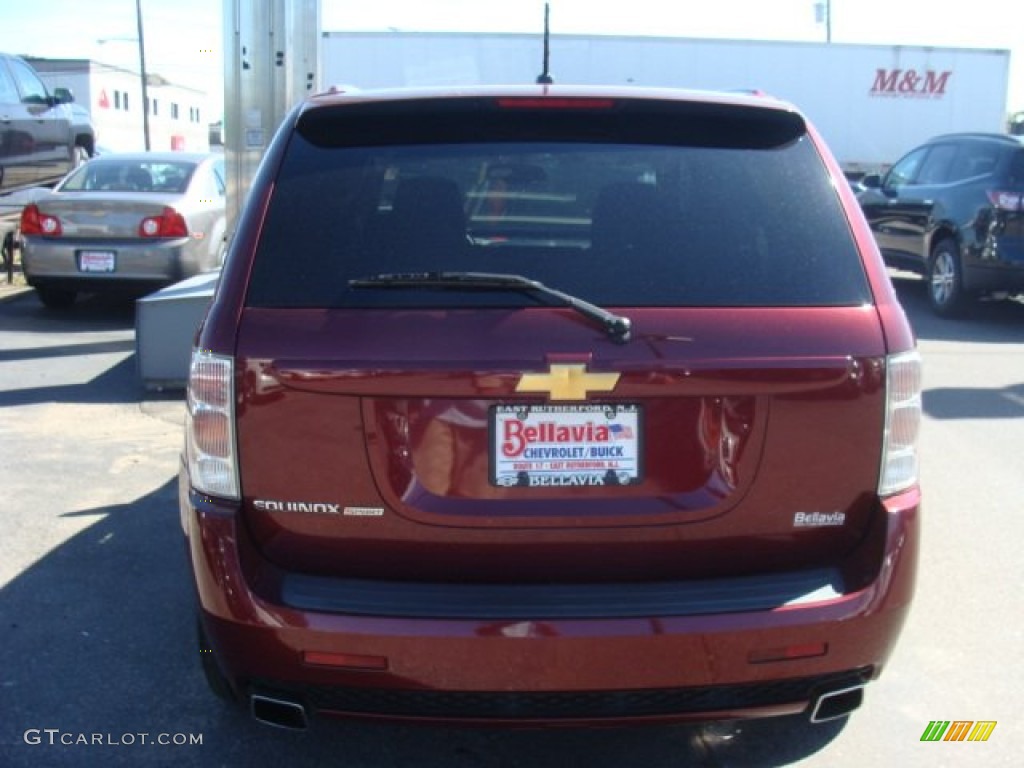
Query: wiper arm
616, 326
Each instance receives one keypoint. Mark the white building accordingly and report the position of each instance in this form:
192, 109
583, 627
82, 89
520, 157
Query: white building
178, 118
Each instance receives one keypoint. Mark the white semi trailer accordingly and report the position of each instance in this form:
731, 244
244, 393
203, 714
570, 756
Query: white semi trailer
871, 102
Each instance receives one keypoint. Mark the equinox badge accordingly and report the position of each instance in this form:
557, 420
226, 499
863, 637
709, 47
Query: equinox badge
271, 505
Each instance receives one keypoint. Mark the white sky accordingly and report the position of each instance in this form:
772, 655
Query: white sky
184, 40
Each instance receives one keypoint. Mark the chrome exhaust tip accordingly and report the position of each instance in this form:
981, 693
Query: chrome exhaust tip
832, 705
278, 712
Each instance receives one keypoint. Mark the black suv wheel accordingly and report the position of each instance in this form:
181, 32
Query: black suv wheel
945, 279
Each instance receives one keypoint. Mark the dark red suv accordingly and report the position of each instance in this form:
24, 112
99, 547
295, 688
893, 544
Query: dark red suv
551, 404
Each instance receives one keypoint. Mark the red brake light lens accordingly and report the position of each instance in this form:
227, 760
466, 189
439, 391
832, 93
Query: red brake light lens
344, 660
35, 222
169, 223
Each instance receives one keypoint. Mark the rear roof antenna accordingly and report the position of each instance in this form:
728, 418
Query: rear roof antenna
545, 78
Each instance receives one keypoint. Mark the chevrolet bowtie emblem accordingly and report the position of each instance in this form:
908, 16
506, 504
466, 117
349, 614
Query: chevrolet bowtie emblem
567, 382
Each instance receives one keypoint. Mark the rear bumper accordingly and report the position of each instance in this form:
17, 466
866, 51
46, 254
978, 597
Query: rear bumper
771, 698
992, 276
697, 666
54, 263
995, 264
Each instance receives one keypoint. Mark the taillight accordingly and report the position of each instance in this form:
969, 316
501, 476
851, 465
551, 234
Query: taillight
902, 423
1004, 200
210, 425
169, 223
35, 222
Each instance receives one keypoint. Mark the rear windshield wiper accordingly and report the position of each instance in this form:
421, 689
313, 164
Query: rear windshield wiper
616, 326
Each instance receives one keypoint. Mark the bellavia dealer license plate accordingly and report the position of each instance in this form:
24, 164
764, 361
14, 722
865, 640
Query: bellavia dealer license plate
566, 445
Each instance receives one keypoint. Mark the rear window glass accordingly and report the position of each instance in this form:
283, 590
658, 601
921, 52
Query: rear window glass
975, 159
1015, 175
635, 223
125, 175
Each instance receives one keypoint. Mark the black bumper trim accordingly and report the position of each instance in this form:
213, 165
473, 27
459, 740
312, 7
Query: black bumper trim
558, 601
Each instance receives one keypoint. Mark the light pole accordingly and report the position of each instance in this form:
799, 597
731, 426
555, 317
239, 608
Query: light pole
142, 67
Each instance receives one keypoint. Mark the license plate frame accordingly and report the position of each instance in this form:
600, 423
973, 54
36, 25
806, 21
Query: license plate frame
554, 446
101, 262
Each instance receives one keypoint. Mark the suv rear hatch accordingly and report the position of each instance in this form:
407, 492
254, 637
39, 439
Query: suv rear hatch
409, 409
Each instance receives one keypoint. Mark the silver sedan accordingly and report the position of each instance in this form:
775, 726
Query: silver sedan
131, 222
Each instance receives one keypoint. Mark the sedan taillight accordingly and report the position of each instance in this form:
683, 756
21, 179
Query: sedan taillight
35, 222
902, 423
210, 426
169, 223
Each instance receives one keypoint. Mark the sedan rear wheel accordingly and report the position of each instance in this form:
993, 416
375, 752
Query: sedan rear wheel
945, 280
56, 298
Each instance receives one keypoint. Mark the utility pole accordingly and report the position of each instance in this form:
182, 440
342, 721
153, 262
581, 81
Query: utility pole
145, 77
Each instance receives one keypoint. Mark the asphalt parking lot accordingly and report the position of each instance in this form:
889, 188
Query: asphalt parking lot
96, 608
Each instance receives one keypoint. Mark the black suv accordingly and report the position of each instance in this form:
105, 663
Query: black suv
951, 210
37, 142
